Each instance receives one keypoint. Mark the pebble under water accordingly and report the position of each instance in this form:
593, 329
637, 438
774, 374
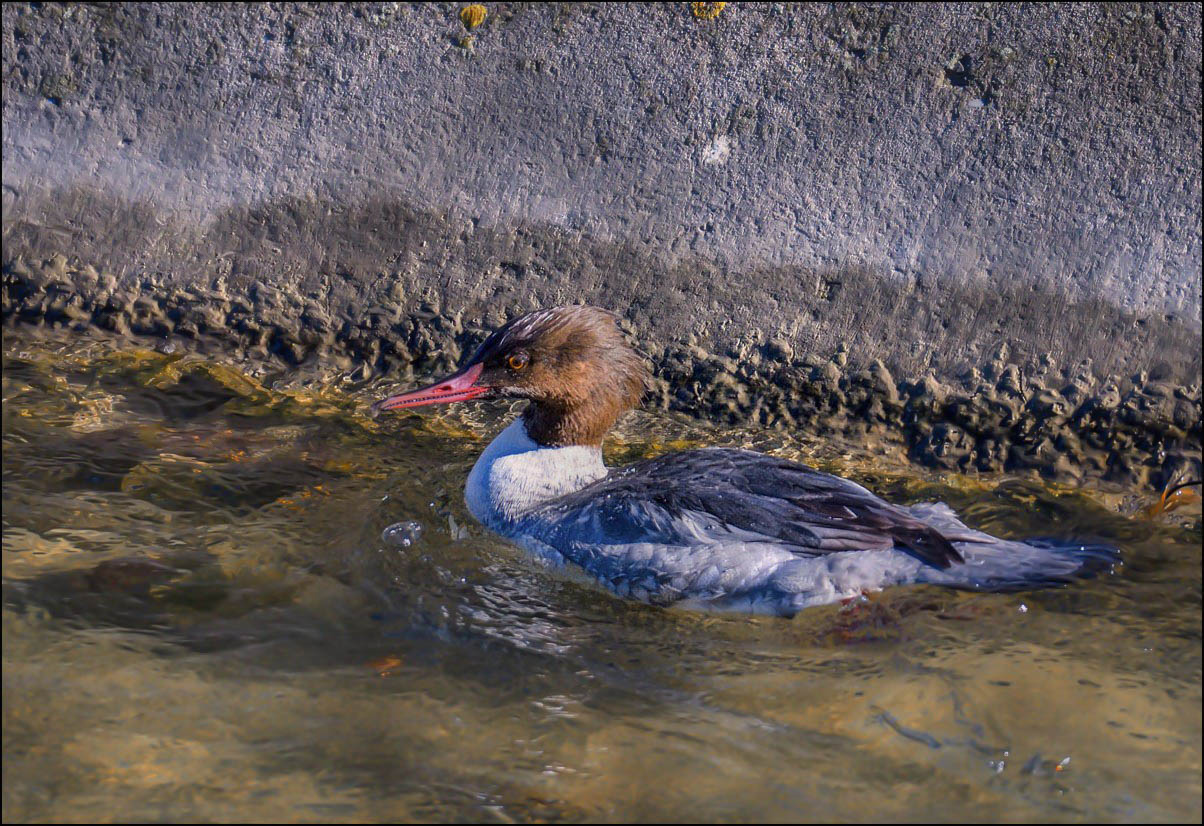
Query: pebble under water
226, 599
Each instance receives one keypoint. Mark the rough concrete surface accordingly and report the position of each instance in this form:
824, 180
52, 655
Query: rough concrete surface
950, 189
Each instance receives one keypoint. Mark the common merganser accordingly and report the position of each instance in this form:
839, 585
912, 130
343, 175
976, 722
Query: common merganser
716, 528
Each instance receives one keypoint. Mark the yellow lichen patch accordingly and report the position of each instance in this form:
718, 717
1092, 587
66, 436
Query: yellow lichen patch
706, 11
474, 15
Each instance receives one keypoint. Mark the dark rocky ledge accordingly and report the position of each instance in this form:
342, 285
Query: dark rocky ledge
998, 416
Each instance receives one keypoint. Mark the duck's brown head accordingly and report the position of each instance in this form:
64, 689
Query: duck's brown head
571, 362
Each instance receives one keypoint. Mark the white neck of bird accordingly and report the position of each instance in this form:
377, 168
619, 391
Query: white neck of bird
516, 474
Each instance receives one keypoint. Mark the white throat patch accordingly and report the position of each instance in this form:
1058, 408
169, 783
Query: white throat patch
516, 474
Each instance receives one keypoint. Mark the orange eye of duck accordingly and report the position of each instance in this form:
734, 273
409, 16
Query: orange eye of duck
518, 361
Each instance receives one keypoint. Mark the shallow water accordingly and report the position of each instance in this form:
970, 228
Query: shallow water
202, 622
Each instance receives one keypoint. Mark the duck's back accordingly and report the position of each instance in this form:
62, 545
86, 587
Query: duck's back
720, 494
734, 529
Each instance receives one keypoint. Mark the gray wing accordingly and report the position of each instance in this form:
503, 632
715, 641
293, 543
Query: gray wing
719, 493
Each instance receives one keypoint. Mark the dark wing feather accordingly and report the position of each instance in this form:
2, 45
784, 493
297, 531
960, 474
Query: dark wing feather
738, 490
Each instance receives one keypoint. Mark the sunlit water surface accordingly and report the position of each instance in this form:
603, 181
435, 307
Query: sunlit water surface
202, 622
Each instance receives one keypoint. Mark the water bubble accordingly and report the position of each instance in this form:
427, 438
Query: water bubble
402, 534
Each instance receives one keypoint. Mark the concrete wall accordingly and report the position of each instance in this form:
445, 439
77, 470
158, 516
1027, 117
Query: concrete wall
936, 186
